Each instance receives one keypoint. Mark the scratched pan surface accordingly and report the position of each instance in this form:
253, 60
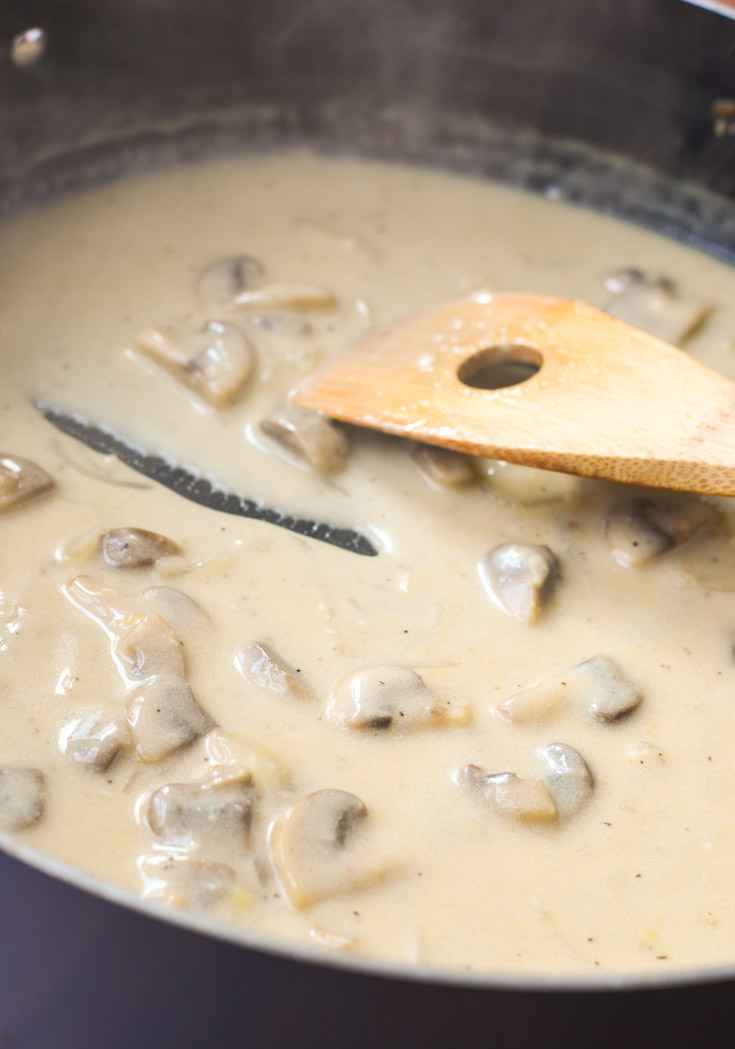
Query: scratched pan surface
618, 104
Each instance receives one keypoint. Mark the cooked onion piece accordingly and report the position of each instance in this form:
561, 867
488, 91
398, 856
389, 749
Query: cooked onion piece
222, 281
186, 881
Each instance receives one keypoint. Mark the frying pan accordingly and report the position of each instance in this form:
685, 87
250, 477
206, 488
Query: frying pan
626, 106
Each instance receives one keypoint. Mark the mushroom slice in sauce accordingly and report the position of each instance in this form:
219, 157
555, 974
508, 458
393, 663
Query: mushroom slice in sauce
21, 797
164, 716
527, 800
136, 547
149, 648
186, 881
383, 697
214, 359
652, 302
604, 688
568, 778
525, 484
222, 281
94, 741
260, 666
314, 438
519, 578
161, 709
203, 815
21, 480
638, 529
179, 610
314, 848
443, 467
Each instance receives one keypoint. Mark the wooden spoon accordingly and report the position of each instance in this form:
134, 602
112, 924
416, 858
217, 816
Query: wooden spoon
603, 399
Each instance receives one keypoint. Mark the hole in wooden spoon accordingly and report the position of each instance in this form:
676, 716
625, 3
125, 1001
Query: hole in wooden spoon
500, 366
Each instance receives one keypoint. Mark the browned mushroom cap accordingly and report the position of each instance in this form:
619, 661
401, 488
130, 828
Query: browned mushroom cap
262, 667
638, 529
214, 359
443, 467
21, 480
383, 697
164, 716
21, 797
203, 815
652, 302
222, 281
568, 778
313, 438
600, 683
519, 578
136, 547
316, 849
94, 741
527, 800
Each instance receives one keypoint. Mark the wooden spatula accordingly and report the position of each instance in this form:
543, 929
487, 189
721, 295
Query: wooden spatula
597, 398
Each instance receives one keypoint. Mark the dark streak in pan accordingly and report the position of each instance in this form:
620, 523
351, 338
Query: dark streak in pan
196, 487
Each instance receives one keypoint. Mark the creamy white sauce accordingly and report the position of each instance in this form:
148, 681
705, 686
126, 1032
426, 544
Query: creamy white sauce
640, 877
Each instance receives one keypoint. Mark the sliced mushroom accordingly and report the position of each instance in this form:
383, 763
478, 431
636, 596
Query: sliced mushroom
94, 741
136, 547
537, 702
151, 649
568, 778
313, 438
525, 484
638, 529
21, 797
262, 667
652, 302
443, 467
179, 610
604, 688
519, 577
214, 359
222, 281
384, 697
316, 850
164, 716
203, 815
185, 881
21, 480
527, 800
